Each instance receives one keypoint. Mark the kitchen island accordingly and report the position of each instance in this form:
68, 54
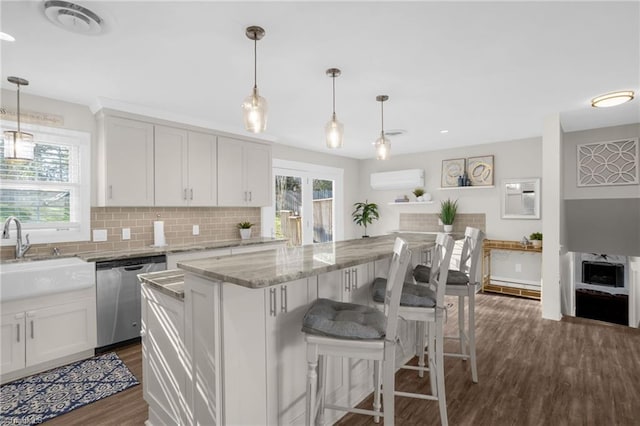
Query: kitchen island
228, 348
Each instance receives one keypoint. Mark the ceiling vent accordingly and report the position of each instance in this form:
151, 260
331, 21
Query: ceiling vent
73, 17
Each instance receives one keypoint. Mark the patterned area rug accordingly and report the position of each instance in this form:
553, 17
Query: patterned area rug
40, 397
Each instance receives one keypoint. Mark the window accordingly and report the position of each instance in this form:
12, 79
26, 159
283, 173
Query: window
51, 194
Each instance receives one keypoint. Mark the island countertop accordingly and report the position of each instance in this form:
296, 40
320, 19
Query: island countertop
271, 267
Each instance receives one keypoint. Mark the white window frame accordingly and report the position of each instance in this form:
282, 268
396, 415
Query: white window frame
81, 215
311, 171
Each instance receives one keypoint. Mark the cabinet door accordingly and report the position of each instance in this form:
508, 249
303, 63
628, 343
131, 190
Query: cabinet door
162, 360
202, 170
231, 188
286, 352
170, 165
12, 351
128, 162
258, 174
60, 330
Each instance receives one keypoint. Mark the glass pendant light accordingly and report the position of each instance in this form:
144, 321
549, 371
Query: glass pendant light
334, 129
382, 144
18, 145
254, 107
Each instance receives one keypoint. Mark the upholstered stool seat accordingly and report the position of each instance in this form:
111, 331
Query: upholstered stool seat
344, 320
415, 295
422, 272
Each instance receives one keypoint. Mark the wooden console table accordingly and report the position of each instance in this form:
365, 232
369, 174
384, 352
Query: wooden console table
489, 245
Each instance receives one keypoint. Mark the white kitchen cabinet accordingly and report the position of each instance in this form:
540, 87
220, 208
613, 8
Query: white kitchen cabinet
163, 352
244, 173
46, 332
13, 350
259, 325
185, 168
125, 166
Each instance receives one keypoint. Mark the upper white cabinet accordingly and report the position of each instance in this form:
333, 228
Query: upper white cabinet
125, 165
185, 168
244, 170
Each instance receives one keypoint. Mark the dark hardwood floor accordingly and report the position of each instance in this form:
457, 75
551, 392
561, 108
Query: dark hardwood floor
531, 372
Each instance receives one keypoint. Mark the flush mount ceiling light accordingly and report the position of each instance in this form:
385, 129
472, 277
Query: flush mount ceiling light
334, 129
18, 145
382, 144
73, 17
612, 99
254, 107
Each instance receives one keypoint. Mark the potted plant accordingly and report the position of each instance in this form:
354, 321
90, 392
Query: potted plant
448, 209
419, 192
536, 239
364, 214
245, 230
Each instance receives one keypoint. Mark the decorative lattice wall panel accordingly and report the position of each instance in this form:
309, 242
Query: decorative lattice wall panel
608, 163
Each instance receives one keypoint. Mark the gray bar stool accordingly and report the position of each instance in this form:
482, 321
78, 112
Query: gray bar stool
424, 304
463, 284
356, 331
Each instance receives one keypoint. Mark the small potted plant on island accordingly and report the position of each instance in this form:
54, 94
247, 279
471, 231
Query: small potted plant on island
364, 214
245, 230
448, 209
536, 239
419, 192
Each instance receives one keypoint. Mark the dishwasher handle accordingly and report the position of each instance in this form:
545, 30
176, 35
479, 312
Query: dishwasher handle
134, 268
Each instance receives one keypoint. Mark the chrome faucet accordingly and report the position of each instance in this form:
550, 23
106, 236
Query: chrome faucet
21, 249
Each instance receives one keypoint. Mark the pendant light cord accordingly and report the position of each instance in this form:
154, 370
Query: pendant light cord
255, 60
382, 119
334, 94
18, 114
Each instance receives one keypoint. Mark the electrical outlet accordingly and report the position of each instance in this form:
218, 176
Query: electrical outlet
196, 229
518, 267
126, 233
99, 235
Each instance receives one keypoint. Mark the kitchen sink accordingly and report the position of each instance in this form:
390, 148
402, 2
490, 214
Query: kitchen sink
33, 278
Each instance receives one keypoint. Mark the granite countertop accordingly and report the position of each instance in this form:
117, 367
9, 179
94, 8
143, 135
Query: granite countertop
170, 282
271, 267
100, 256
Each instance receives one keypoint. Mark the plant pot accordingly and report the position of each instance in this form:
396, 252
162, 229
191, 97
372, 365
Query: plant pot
427, 197
536, 243
420, 198
245, 234
448, 228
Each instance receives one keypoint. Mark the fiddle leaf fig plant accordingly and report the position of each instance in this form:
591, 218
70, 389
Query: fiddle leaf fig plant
364, 214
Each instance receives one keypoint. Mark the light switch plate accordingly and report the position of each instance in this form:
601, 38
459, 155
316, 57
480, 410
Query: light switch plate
126, 233
99, 235
196, 229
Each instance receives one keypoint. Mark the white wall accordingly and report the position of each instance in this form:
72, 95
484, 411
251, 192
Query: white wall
512, 159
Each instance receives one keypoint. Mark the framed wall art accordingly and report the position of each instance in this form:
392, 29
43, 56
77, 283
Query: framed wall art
451, 169
608, 163
480, 170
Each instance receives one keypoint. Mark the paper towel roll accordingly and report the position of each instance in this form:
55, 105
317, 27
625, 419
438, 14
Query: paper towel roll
158, 234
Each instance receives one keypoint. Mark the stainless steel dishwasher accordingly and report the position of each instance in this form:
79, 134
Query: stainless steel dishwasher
118, 298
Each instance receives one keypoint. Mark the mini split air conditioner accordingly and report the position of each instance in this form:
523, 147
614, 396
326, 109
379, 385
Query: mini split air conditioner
401, 179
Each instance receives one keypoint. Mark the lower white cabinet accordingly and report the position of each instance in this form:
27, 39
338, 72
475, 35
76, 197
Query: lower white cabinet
163, 354
37, 332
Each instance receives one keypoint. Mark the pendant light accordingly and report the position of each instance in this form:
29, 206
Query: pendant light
18, 145
382, 144
254, 107
334, 129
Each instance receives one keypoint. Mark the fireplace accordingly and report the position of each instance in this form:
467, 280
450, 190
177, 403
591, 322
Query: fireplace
602, 289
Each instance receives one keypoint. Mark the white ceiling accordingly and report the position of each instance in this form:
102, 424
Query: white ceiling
484, 71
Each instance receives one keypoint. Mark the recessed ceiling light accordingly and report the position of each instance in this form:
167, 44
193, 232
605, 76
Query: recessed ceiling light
444, 131
6, 37
612, 99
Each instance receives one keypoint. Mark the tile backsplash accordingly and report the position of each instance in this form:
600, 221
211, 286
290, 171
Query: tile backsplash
428, 222
215, 223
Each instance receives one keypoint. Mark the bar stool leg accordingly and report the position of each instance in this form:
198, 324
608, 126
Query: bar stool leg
439, 359
322, 372
312, 383
420, 343
388, 383
377, 372
472, 333
461, 327
431, 358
